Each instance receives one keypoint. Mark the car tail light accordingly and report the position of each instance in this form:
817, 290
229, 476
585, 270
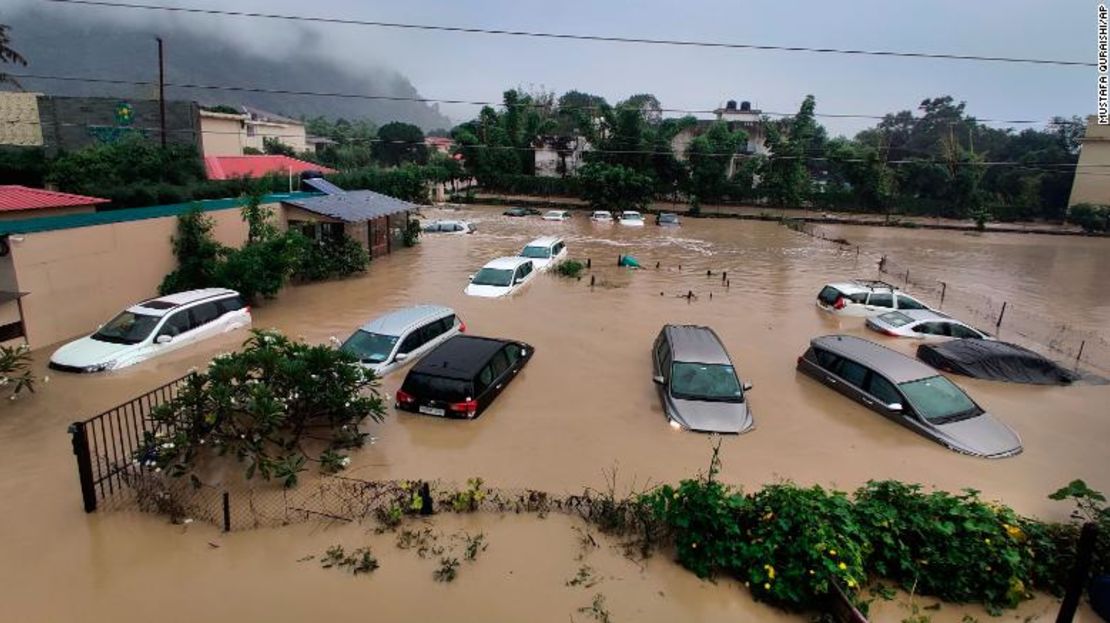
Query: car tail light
888, 332
462, 326
468, 407
840, 303
404, 397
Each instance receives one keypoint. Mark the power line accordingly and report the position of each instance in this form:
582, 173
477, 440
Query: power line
429, 100
578, 37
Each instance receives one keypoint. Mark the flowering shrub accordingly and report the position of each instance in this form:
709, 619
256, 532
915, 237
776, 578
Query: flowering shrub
327, 259
15, 369
268, 406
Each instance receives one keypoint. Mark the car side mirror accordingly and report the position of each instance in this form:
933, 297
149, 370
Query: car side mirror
401, 357
163, 339
896, 407
747, 387
658, 379
470, 278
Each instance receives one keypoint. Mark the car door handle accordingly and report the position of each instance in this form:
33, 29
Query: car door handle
499, 386
867, 402
831, 380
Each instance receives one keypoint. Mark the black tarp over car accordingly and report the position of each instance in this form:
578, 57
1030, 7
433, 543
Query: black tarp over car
996, 361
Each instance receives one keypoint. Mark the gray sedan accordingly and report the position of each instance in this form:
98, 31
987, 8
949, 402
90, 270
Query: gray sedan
697, 382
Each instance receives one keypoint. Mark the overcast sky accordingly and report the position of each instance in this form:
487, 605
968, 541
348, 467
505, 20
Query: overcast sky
480, 67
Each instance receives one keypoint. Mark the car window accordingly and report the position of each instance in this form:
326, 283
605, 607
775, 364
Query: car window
895, 319
412, 342
204, 313
852, 372
958, 330
512, 351
883, 389
500, 363
938, 400
230, 304
127, 328
369, 347
704, 381
176, 324
931, 328
905, 302
829, 295
663, 356
433, 329
881, 299
858, 297
426, 386
825, 359
485, 379
501, 277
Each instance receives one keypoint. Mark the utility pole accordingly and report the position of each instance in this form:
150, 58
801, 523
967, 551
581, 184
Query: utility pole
161, 91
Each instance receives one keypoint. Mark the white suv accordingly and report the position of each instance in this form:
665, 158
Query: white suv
545, 252
864, 298
402, 336
155, 327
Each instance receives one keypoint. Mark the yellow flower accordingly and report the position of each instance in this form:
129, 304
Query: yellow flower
766, 586
832, 552
1014, 532
842, 566
770, 572
811, 572
987, 541
851, 583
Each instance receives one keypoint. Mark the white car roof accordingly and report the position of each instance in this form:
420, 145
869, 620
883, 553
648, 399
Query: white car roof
544, 241
921, 314
165, 304
556, 212
399, 320
503, 263
630, 213
855, 287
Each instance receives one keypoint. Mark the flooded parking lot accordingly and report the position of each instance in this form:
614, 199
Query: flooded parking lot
584, 404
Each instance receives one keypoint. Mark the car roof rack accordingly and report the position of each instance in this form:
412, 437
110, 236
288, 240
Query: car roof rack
874, 283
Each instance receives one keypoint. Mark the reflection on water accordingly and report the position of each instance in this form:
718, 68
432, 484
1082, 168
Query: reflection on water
585, 403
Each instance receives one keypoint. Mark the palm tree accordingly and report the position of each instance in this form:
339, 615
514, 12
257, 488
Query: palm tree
8, 55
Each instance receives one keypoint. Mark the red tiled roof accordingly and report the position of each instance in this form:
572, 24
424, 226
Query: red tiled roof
228, 167
14, 198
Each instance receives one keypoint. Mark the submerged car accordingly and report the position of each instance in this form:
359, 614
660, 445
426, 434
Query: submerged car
402, 336
556, 215
631, 218
697, 382
923, 324
667, 219
520, 212
864, 298
601, 216
995, 361
908, 392
450, 227
155, 327
501, 277
545, 252
463, 376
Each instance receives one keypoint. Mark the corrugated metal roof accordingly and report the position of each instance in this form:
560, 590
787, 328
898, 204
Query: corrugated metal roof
354, 206
14, 197
230, 167
73, 221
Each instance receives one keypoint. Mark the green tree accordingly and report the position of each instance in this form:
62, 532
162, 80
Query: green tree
786, 179
275, 146
711, 158
615, 187
398, 143
8, 55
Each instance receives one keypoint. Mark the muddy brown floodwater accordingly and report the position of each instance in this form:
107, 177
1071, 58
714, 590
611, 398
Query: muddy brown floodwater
584, 404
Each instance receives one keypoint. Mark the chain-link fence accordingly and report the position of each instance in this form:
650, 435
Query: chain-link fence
1008, 321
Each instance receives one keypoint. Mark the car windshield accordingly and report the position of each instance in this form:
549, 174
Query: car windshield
369, 347
702, 381
555, 214
938, 400
539, 253
668, 218
502, 277
127, 328
896, 319
631, 216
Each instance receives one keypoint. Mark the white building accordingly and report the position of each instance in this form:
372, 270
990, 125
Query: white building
558, 156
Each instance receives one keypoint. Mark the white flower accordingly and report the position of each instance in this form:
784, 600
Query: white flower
188, 520
157, 470
345, 461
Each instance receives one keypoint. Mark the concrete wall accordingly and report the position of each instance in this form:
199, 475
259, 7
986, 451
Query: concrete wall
79, 278
16, 215
1092, 176
221, 135
292, 135
71, 123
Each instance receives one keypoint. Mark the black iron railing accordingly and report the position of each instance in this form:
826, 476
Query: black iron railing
106, 446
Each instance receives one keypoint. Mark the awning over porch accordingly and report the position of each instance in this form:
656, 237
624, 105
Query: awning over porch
353, 206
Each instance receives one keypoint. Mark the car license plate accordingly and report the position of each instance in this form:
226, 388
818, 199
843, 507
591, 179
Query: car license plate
432, 411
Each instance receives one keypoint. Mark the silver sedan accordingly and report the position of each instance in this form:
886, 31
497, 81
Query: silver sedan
923, 324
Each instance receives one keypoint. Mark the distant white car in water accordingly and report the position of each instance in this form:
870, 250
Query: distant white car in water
501, 277
400, 337
155, 327
556, 215
923, 324
545, 252
601, 216
450, 227
632, 218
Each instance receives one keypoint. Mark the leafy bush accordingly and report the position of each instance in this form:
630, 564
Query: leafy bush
267, 406
411, 234
15, 369
1092, 218
327, 259
196, 251
615, 187
955, 547
408, 182
569, 268
259, 269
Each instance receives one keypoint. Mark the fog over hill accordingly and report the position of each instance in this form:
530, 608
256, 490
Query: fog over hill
69, 43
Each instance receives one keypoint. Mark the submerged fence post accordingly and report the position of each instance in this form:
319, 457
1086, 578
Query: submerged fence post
943, 289
1077, 581
906, 282
1000, 315
1079, 355
227, 512
589, 262
84, 465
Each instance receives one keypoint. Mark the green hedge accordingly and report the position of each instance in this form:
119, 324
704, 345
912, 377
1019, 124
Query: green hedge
408, 182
